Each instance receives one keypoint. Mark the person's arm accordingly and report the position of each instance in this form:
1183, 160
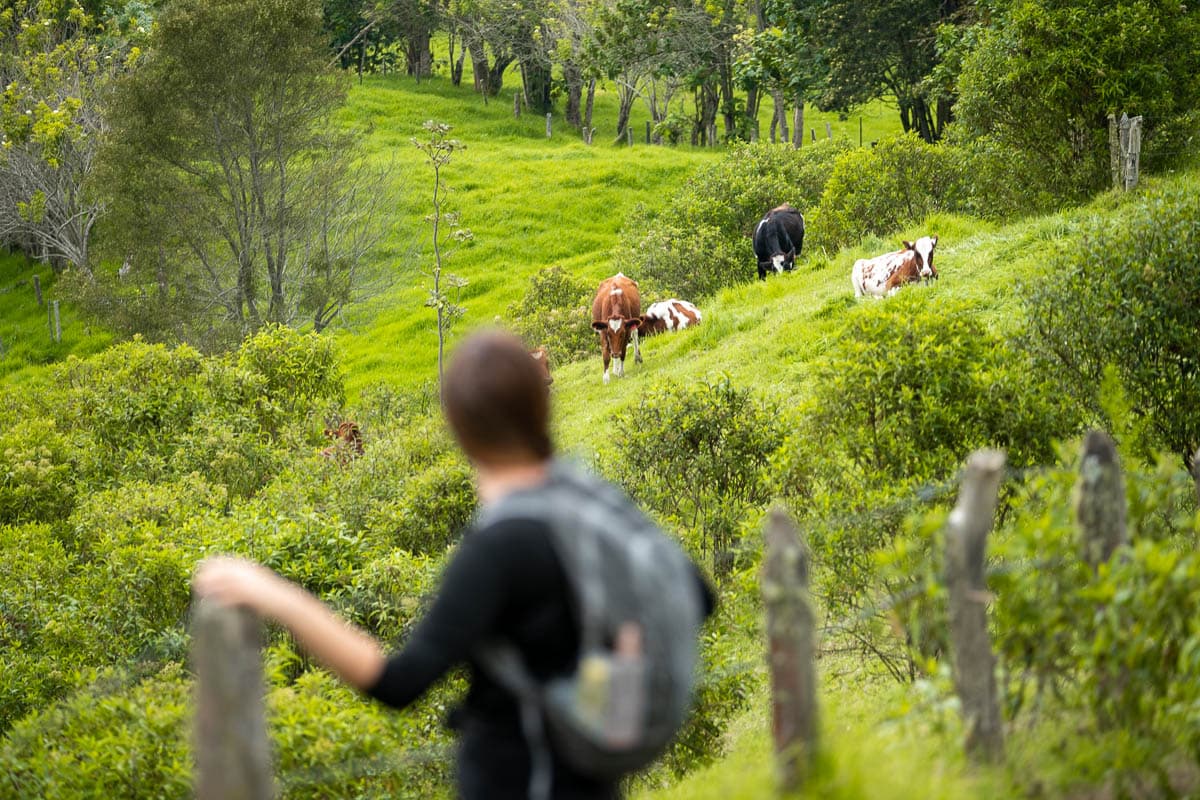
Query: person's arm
349, 652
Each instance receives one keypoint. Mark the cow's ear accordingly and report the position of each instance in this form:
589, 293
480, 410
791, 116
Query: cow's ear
599, 326
935, 241
907, 244
634, 322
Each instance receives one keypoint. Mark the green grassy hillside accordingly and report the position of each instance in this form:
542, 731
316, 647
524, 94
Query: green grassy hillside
530, 202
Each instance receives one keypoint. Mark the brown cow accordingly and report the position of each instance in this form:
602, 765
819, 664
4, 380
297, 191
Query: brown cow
542, 356
616, 315
347, 443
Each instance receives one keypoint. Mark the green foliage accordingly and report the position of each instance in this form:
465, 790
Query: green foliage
907, 392
36, 465
696, 455
555, 313
298, 369
700, 240
1127, 298
66, 752
1042, 77
879, 190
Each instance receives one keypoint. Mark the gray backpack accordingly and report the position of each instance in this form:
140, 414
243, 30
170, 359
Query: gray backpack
640, 611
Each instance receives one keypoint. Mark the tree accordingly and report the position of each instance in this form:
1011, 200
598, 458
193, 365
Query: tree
54, 71
223, 170
439, 149
1043, 77
883, 48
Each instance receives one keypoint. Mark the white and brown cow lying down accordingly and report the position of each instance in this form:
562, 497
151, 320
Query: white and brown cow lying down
616, 316
542, 356
884, 275
669, 315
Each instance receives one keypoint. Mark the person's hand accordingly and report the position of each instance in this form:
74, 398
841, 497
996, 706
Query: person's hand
239, 582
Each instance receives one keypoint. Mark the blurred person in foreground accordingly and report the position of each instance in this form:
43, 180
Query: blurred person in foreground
504, 581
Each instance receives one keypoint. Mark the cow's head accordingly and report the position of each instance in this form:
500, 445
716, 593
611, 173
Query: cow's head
616, 332
923, 248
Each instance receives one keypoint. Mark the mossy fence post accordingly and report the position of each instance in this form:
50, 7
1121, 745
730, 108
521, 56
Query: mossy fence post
1099, 500
791, 642
974, 661
233, 757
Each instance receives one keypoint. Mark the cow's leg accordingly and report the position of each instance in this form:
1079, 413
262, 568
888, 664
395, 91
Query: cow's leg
618, 366
637, 348
605, 355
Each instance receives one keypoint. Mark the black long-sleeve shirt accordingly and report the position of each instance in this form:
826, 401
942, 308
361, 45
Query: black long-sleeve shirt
505, 581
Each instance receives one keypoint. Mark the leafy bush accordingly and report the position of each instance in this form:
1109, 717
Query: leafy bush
882, 189
700, 240
909, 389
300, 368
37, 464
696, 454
555, 312
1126, 299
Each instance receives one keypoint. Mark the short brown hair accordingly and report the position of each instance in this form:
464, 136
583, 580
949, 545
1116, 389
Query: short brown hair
495, 399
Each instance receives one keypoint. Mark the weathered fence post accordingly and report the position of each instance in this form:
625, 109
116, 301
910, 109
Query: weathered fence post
1099, 500
233, 759
974, 662
549, 130
828, 131
1196, 473
37, 289
516, 104
57, 323
1114, 150
1133, 153
791, 642
629, 134
647, 131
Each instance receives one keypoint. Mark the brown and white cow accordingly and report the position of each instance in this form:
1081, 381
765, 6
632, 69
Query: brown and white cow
347, 443
884, 275
616, 316
669, 315
542, 356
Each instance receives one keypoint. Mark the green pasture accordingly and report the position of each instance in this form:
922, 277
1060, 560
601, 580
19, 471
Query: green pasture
530, 203
25, 340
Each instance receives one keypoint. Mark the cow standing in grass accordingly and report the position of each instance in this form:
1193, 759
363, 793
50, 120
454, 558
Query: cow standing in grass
616, 316
884, 275
542, 356
669, 315
778, 239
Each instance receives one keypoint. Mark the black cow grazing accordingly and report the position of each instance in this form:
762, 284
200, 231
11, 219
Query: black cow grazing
778, 239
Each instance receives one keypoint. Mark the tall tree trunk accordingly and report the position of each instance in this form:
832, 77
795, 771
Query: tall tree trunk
573, 77
456, 65
798, 123
753, 101
537, 85
587, 106
418, 56
495, 81
479, 64
625, 97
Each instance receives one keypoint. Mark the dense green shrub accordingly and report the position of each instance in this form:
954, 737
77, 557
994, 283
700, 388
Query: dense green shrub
699, 241
37, 466
1116, 647
882, 189
908, 390
695, 454
1126, 300
556, 312
300, 369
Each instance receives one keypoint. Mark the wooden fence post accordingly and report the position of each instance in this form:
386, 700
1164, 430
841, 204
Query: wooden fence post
57, 323
37, 289
828, 131
629, 134
516, 104
1099, 500
1133, 153
1196, 473
1114, 150
549, 117
233, 759
791, 641
647, 131
974, 662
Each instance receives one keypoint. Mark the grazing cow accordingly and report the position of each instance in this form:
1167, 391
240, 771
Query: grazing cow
616, 315
669, 315
885, 274
778, 239
347, 443
542, 356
